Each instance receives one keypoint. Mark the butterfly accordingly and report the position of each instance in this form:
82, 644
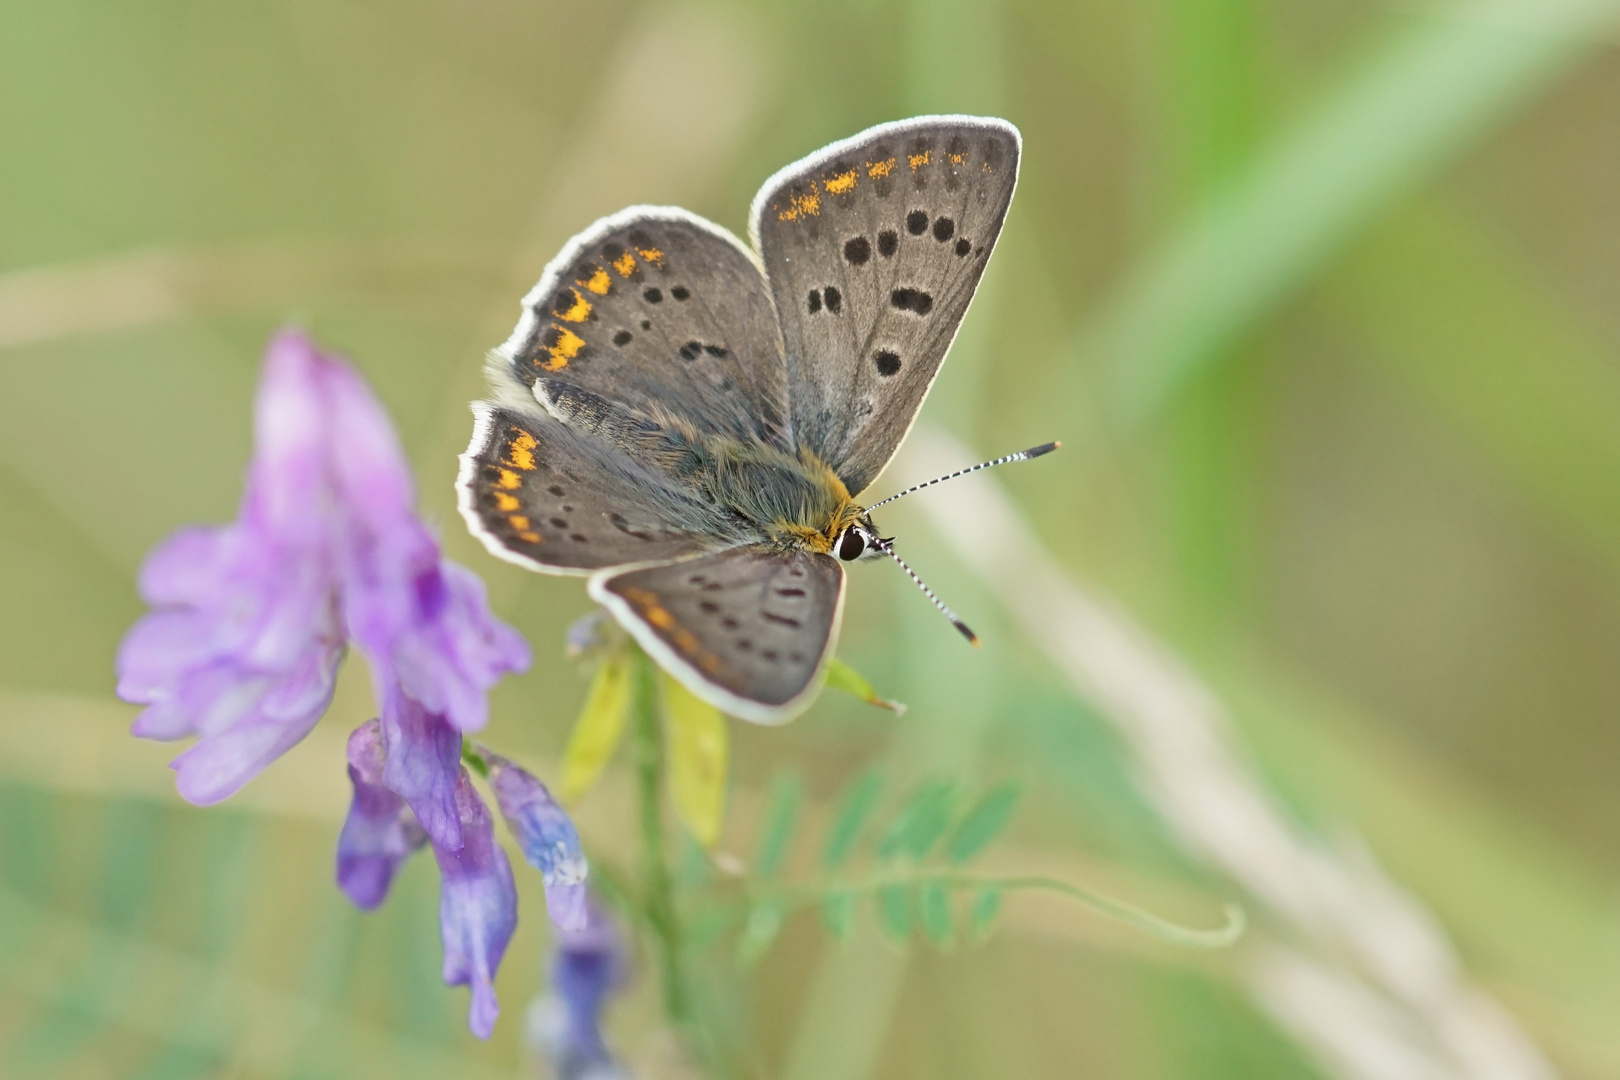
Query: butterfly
690, 421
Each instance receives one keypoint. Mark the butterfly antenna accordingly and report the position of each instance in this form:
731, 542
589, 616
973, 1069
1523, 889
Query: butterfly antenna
1022, 455
883, 546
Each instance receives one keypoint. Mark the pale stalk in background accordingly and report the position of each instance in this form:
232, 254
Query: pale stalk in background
1374, 988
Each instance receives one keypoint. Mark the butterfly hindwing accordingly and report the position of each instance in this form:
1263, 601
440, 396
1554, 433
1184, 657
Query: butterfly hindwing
749, 629
873, 248
660, 312
542, 494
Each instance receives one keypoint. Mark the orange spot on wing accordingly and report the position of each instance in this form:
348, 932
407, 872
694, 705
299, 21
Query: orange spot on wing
531, 536
578, 311
917, 161
625, 264
505, 503
842, 183
567, 347
520, 451
652, 255
509, 480
877, 169
519, 522
806, 205
986, 167
957, 159
598, 283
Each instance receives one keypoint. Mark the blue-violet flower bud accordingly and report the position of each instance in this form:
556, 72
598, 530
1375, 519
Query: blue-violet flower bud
547, 836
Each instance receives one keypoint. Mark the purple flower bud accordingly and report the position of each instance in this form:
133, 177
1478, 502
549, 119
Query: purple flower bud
251, 618
547, 835
380, 832
477, 907
587, 965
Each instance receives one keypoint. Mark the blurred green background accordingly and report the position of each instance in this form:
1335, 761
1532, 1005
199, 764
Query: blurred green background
1323, 297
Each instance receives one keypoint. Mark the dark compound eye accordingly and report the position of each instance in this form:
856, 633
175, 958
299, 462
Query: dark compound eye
851, 545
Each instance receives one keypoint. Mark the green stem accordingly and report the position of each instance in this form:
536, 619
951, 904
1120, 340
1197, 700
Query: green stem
658, 889
795, 897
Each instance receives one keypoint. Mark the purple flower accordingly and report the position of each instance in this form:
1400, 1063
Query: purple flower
587, 966
252, 618
547, 835
477, 907
380, 832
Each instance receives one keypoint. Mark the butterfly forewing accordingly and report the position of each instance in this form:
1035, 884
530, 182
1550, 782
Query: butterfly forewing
653, 312
748, 629
550, 497
873, 249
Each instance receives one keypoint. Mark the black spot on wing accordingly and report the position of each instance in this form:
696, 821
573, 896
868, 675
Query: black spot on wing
917, 222
887, 363
857, 250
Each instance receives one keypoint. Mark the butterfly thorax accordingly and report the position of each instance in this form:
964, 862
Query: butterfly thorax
792, 500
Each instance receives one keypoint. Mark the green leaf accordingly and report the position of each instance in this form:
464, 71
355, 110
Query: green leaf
838, 913
983, 823
853, 810
779, 823
982, 916
599, 728
698, 752
894, 913
921, 823
840, 676
934, 913
759, 933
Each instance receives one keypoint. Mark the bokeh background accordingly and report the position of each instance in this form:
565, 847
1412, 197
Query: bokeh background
1317, 610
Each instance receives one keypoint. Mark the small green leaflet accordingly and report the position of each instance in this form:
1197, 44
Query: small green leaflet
853, 811
779, 824
982, 918
982, 824
922, 821
597, 731
840, 676
894, 913
838, 912
759, 934
934, 913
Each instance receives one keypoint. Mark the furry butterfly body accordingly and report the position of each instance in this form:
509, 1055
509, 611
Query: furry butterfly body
691, 424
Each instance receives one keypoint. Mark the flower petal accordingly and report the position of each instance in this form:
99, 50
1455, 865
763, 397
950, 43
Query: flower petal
219, 764
587, 966
423, 757
477, 907
379, 833
547, 835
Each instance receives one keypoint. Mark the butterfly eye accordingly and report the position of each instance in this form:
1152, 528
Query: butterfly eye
851, 544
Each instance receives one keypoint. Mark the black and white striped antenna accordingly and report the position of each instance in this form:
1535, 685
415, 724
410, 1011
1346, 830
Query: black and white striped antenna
1022, 455
883, 546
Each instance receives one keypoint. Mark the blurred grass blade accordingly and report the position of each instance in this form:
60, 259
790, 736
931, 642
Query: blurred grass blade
934, 913
780, 821
982, 824
853, 810
599, 728
922, 821
840, 676
1453, 72
698, 749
